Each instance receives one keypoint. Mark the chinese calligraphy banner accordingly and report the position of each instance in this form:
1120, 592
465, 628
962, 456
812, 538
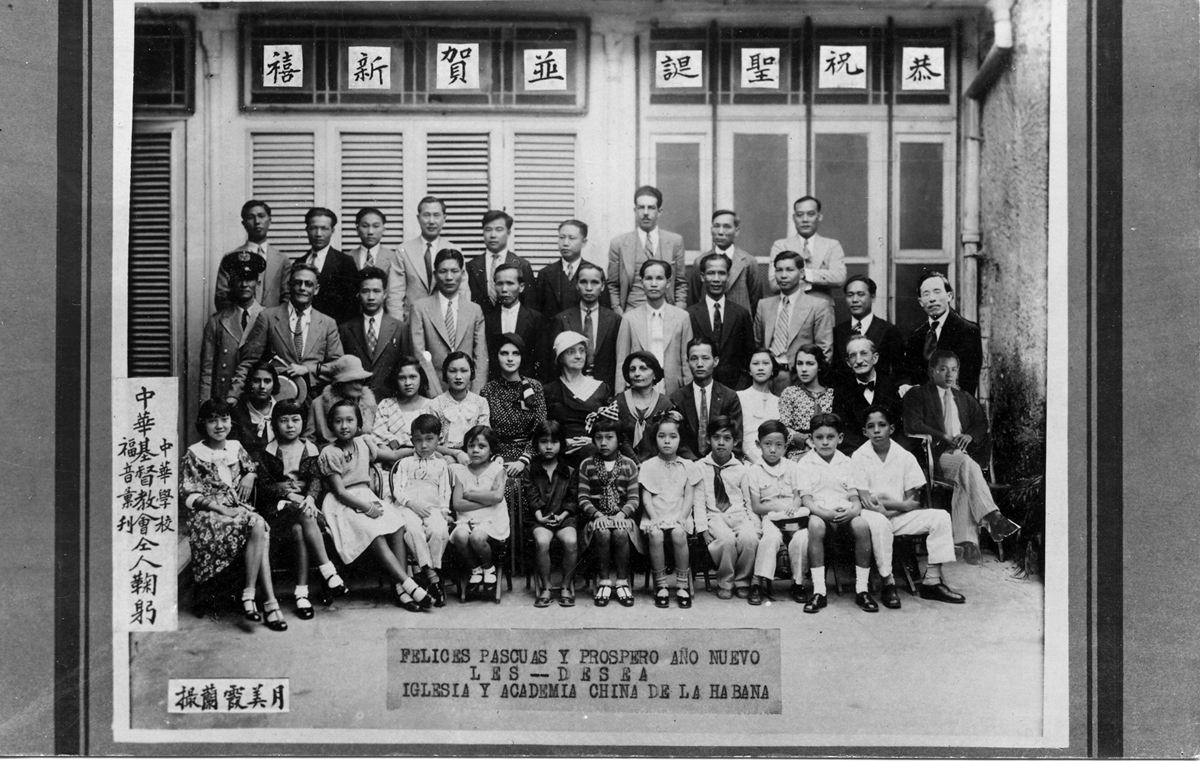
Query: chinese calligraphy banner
843, 67
370, 68
228, 696
546, 69
458, 66
679, 69
283, 66
760, 68
145, 504
923, 69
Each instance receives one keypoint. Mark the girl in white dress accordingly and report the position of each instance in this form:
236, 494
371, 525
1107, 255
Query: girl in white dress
480, 507
759, 402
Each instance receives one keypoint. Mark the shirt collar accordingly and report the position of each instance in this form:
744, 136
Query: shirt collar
874, 376
865, 321
292, 311
940, 321
708, 299
652, 235
443, 301
512, 309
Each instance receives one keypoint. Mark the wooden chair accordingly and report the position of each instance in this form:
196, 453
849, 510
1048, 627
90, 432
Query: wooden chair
938, 490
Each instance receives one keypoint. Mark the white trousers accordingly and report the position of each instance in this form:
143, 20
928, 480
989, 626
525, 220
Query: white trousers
768, 552
935, 524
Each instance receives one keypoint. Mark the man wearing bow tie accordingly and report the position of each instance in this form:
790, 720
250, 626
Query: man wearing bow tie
943, 330
824, 261
866, 386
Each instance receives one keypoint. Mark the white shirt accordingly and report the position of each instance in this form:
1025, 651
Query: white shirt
939, 323
891, 477
658, 339
317, 258
712, 320
865, 322
508, 318
652, 236
569, 268
833, 482
953, 425
757, 408
302, 327
868, 393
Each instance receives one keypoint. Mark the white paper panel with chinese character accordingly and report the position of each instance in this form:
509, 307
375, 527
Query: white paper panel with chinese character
458, 66
923, 69
369, 68
843, 67
283, 66
760, 68
546, 69
679, 69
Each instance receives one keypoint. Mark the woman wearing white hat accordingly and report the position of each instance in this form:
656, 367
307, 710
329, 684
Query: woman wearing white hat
574, 396
348, 382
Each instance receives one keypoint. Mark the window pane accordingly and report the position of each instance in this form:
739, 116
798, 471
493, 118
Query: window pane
677, 169
840, 181
908, 277
920, 195
760, 172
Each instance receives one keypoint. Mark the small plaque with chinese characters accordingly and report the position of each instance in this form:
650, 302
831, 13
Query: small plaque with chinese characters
458, 66
760, 68
546, 69
228, 696
283, 66
679, 69
842, 67
370, 68
923, 69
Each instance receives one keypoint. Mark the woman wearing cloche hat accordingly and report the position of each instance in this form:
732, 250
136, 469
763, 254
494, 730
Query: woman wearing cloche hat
348, 382
574, 396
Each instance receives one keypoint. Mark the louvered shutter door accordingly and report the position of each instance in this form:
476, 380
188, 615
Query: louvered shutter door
149, 319
372, 175
457, 172
282, 168
543, 193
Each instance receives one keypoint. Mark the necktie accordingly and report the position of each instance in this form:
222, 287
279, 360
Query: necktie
950, 412
808, 252
298, 336
589, 331
370, 258
931, 339
451, 335
649, 247
429, 263
245, 319
570, 272
703, 420
717, 321
722, 496
493, 262
372, 337
657, 336
857, 327
780, 339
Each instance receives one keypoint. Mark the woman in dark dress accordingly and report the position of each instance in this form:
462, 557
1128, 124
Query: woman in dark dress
574, 396
640, 402
251, 416
515, 404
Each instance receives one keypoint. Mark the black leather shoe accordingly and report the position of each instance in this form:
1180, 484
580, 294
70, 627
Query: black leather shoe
438, 593
755, 596
797, 593
941, 593
866, 602
999, 527
662, 598
684, 598
815, 603
889, 597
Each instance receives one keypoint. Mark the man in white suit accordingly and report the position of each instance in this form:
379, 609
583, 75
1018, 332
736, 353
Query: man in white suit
433, 318
786, 322
824, 261
627, 253
660, 328
410, 276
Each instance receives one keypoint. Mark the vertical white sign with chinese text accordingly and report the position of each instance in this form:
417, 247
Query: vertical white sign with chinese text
458, 66
145, 512
370, 68
546, 69
923, 69
760, 68
679, 69
283, 66
842, 67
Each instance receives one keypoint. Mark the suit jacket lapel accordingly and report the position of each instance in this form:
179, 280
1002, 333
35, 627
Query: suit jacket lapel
387, 329
433, 311
232, 326
284, 329
460, 323
689, 407
641, 326
739, 264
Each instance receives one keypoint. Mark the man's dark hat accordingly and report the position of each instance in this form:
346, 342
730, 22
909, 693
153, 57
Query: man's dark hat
243, 265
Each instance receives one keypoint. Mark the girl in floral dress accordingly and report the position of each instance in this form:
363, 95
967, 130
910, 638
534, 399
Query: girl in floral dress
805, 398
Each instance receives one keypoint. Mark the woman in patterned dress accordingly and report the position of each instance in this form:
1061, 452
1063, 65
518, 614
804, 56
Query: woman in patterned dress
805, 398
515, 405
458, 407
393, 422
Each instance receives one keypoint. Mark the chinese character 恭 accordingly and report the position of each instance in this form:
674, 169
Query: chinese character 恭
457, 58
677, 67
233, 697
281, 68
758, 68
144, 583
187, 698
545, 68
841, 62
364, 74
144, 612
921, 70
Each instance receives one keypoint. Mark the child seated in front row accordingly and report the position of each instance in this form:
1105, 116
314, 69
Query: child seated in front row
731, 529
549, 487
608, 499
421, 486
480, 507
289, 484
894, 481
837, 510
668, 485
357, 519
778, 492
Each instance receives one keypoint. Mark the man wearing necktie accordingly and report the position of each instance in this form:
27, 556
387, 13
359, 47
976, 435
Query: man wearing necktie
867, 384
703, 400
375, 337
591, 318
371, 225
944, 329
555, 289
497, 227
410, 274
824, 261
629, 251
272, 281
786, 322
729, 527
337, 297
513, 317
226, 331
717, 317
860, 300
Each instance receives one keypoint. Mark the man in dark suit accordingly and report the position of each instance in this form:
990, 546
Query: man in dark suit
702, 400
512, 316
860, 298
337, 296
600, 324
743, 287
497, 226
555, 289
866, 386
946, 330
376, 338
726, 324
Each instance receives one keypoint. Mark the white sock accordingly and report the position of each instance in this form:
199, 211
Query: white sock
327, 570
933, 574
818, 579
302, 590
861, 576
248, 594
302, 596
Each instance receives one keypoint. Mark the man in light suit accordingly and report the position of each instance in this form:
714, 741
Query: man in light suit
786, 322
337, 296
591, 318
660, 328
727, 325
377, 339
273, 281
512, 316
433, 316
497, 226
860, 298
704, 395
945, 329
743, 287
824, 261
301, 341
629, 251
371, 225
410, 276
555, 290
226, 331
